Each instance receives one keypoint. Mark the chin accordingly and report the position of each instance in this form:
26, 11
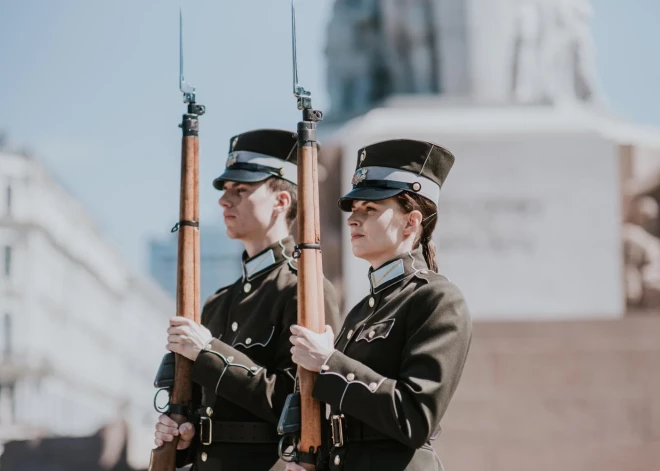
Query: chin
233, 234
358, 250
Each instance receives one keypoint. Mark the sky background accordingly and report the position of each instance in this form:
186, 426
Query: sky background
91, 88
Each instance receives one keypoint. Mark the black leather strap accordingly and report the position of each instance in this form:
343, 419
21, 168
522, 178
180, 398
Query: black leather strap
240, 432
356, 431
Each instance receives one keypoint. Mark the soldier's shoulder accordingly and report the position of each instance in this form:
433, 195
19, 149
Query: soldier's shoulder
434, 287
221, 292
430, 277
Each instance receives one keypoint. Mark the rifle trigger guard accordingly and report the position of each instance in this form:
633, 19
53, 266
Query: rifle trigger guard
166, 408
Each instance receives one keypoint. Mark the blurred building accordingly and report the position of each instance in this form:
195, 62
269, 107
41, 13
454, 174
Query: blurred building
220, 260
81, 334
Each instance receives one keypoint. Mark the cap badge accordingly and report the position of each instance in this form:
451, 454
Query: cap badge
232, 160
360, 175
234, 142
363, 155
416, 186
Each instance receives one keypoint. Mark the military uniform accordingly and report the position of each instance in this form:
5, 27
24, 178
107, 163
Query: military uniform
246, 371
400, 353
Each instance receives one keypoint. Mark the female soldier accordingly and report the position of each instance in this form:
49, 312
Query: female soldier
399, 356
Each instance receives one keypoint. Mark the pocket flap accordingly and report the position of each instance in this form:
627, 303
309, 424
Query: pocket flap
259, 338
379, 330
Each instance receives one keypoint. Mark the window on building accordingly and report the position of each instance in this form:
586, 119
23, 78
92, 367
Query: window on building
8, 260
9, 202
6, 335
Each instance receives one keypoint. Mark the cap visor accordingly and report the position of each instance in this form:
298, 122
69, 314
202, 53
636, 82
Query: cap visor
241, 176
366, 194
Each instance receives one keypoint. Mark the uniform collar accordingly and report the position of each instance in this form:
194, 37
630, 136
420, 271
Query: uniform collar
268, 258
396, 270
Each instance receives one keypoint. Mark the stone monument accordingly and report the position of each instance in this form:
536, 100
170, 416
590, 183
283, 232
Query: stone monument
486, 51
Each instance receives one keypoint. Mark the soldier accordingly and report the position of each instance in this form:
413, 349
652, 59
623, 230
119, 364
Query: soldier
391, 371
241, 351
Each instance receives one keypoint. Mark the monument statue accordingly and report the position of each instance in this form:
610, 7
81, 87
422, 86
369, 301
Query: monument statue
378, 48
352, 53
554, 58
527, 86
408, 35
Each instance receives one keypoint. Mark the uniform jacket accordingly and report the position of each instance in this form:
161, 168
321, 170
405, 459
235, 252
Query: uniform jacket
398, 360
246, 371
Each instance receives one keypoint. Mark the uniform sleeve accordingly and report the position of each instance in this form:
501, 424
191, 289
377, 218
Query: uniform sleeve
332, 316
407, 408
232, 374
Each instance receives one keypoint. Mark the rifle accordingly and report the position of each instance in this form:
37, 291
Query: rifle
188, 271
303, 414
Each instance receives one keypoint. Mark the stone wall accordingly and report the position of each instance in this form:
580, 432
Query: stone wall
569, 396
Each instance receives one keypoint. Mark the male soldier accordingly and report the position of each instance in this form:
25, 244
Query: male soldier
241, 351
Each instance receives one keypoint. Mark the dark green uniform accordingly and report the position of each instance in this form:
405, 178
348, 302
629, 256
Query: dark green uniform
399, 357
401, 351
246, 371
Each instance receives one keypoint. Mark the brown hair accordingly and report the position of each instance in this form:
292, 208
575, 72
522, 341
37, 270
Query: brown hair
276, 185
411, 202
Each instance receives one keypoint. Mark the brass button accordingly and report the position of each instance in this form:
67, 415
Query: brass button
325, 367
337, 460
209, 411
349, 335
204, 456
350, 377
234, 326
248, 341
423, 272
372, 333
230, 359
373, 386
254, 369
247, 287
372, 301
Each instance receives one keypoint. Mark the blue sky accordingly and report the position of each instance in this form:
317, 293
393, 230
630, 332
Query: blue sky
91, 88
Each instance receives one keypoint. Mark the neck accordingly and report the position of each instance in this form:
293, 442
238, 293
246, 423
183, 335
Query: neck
378, 260
258, 244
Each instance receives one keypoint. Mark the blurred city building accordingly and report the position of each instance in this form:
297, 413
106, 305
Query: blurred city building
80, 331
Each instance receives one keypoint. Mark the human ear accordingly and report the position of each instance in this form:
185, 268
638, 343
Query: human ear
413, 222
282, 202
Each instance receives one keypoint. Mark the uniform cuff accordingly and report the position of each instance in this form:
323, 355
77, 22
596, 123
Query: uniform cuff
220, 367
344, 381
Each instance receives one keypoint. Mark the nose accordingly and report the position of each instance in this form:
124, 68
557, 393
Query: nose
224, 201
353, 220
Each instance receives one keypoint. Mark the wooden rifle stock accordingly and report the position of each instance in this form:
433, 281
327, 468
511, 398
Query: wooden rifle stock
188, 279
311, 307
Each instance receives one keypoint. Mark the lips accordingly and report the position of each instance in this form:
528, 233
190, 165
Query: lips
356, 236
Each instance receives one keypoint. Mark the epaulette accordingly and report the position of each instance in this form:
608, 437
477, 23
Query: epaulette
429, 275
221, 290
